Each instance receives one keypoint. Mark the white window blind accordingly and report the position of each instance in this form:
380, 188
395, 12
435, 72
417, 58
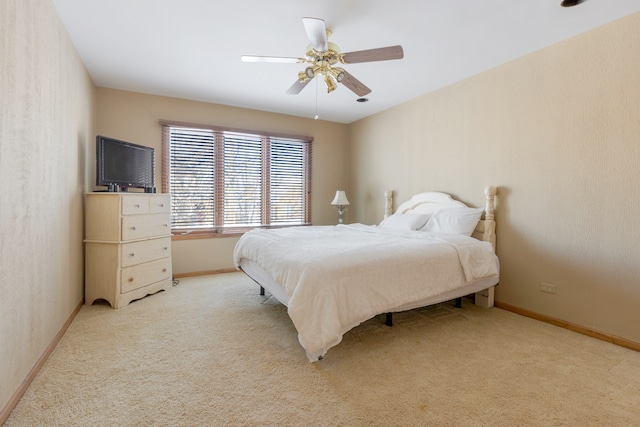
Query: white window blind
227, 180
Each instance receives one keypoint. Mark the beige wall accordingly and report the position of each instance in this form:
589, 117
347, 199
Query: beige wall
135, 117
46, 123
558, 132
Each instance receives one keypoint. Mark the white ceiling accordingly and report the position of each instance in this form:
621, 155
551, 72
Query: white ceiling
191, 48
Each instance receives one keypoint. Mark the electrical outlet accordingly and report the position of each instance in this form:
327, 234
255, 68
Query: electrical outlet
548, 288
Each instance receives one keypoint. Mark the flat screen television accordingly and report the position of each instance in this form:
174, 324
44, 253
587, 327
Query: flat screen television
122, 165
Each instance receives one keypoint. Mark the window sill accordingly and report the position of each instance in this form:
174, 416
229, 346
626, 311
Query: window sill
205, 235
202, 234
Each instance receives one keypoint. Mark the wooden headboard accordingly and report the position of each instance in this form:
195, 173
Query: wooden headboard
429, 202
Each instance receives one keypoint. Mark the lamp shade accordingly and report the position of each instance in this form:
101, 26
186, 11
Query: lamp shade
340, 199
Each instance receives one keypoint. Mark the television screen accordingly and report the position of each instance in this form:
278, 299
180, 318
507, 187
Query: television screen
122, 165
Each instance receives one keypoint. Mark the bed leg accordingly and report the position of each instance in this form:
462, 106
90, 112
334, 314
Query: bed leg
261, 290
458, 302
389, 320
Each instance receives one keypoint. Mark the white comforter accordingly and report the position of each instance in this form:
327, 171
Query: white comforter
337, 277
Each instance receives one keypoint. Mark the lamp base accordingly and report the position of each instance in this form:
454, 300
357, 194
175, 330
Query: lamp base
341, 210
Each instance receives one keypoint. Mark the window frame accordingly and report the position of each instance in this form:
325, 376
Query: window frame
219, 229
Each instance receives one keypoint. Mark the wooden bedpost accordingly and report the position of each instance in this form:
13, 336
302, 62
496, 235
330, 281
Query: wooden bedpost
388, 203
486, 298
489, 209
486, 229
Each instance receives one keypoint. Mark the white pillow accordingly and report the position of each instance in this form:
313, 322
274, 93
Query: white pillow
454, 220
404, 221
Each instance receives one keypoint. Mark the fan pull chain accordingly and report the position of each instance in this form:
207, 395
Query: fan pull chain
316, 117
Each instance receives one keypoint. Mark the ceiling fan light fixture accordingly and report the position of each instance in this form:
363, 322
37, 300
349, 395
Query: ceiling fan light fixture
570, 3
310, 72
331, 85
337, 73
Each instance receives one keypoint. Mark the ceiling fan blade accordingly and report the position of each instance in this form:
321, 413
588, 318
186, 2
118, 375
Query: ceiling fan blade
355, 85
297, 87
370, 55
317, 33
275, 59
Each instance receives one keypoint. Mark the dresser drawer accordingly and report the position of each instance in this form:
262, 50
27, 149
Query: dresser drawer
145, 251
140, 275
160, 203
134, 204
141, 226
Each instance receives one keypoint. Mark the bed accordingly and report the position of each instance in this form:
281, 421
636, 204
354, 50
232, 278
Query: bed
332, 278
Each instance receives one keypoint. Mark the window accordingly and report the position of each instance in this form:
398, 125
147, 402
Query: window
228, 180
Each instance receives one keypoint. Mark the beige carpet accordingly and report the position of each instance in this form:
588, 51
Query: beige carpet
213, 352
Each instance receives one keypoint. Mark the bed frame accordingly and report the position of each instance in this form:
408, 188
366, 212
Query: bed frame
421, 203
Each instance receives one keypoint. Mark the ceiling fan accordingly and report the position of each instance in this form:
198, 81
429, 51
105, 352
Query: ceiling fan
322, 58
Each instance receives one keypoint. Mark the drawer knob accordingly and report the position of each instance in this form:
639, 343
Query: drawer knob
164, 270
132, 228
137, 205
162, 205
164, 248
132, 254
130, 279
166, 225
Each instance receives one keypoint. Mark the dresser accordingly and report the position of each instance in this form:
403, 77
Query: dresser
127, 246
